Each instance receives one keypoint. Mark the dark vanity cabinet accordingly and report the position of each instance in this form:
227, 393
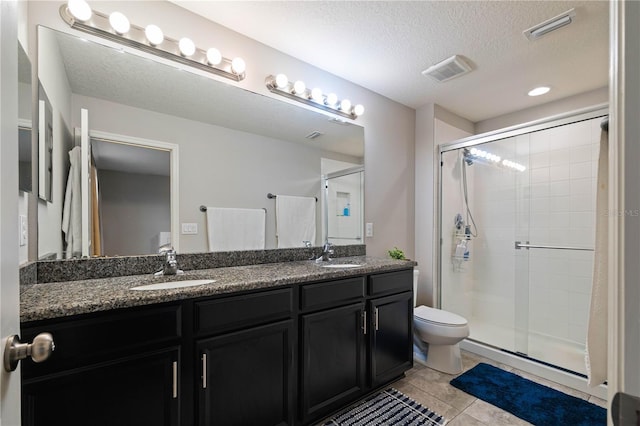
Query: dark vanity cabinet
244, 359
289, 355
332, 345
391, 348
118, 368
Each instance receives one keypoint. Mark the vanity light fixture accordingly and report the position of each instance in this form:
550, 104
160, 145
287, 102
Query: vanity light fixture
116, 27
298, 91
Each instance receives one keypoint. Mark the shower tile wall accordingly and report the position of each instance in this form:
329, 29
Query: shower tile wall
563, 168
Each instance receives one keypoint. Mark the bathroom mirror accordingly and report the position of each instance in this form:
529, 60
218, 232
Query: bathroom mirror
234, 146
45, 146
25, 121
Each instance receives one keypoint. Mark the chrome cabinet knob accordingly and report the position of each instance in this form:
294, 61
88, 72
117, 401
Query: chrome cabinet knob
40, 350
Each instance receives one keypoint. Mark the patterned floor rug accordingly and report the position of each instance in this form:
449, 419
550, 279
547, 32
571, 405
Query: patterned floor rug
531, 401
387, 408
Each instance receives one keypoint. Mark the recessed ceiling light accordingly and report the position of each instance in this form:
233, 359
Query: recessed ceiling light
539, 91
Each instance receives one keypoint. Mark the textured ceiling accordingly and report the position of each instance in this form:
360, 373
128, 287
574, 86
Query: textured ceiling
385, 45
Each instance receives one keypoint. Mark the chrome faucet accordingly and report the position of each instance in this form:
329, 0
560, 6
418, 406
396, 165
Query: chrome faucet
170, 265
327, 249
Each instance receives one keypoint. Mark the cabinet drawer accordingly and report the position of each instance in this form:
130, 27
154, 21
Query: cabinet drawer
331, 292
85, 340
235, 312
391, 282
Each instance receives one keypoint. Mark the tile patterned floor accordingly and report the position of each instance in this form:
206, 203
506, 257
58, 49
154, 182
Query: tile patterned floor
431, 388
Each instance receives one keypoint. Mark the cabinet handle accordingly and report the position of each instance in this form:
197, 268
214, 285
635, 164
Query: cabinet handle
175, 379
375, 317
364, 322
204, 371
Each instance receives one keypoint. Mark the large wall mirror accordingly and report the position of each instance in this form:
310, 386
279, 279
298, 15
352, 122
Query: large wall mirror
162, 141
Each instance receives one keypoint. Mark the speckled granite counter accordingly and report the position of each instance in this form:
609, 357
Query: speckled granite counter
60, 299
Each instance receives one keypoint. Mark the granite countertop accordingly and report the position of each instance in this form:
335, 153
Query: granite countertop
61, 299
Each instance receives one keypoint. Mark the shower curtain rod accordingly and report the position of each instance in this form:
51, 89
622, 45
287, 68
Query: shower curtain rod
519, 245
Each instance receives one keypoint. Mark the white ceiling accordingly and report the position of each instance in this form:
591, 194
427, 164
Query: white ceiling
385, 45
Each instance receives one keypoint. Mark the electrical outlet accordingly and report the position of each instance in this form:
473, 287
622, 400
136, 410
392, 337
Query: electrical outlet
23, 230
189, 228
369, 229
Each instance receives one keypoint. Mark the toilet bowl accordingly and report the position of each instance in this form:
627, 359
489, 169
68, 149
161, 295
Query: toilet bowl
442, 332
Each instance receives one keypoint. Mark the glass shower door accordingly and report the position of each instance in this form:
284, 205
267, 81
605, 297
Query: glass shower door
481, 275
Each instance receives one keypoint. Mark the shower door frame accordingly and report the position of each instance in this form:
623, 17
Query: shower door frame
530, 366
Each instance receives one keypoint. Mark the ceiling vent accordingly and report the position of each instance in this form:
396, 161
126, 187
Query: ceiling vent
450, 68
314, 135
549, 25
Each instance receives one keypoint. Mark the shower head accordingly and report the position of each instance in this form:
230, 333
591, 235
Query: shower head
467, 157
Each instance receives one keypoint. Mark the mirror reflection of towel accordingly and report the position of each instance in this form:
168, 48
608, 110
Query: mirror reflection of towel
230, 229
72, 210
295, 220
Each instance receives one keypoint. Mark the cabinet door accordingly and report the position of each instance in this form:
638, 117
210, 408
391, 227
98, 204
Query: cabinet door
138, 390
332, 359
247, 377
391, 337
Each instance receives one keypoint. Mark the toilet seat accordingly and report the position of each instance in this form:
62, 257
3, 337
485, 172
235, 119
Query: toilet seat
438, 316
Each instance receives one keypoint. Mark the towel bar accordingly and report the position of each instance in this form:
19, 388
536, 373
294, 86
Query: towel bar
271, 196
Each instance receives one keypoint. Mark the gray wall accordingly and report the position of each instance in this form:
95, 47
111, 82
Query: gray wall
389, 126
219, 167
134, 208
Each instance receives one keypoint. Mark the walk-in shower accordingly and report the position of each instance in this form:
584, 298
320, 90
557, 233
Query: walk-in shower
517, 228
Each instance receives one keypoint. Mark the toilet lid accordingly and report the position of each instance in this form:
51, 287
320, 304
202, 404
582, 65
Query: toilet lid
438, 316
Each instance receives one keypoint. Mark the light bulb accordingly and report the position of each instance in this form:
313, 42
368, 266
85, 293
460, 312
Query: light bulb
299, 87
186, 46
154, 34
238, 66
281, 81
332, 99
358, 110
345, 105
214, 57
316, 95
119, 23
80, 10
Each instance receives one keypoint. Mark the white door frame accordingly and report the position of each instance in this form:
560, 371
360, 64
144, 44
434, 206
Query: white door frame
9, 276
174, 156
624, 201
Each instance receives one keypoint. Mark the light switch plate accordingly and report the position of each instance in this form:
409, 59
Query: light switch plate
369, 229
189, 228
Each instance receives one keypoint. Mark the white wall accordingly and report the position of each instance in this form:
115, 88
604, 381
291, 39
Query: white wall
54, 81
134, 208
219, 167
389, 126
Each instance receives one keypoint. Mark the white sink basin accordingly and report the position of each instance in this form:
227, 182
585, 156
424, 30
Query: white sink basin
172, 284
341, 265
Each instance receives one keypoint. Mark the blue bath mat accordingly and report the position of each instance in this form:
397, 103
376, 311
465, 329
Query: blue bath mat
388, 407
528, 400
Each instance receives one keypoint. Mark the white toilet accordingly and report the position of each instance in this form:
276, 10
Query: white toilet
442, 332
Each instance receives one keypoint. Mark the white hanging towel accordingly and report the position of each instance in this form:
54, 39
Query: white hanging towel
72, 209
230, 229
597, 337
295, 220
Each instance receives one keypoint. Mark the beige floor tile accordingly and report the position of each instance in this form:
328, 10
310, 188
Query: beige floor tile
466, 420
492, 415
426, 400
435, 384
598, 401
